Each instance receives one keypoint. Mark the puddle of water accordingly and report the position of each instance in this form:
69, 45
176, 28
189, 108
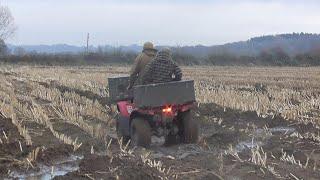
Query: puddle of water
248, 145
47, 172
179, 151
157, 141
282, 129
261, 136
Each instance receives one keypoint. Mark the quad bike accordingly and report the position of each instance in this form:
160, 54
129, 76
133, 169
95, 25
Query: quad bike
162, 110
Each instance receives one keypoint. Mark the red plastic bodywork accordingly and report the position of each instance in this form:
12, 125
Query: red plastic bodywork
126, 108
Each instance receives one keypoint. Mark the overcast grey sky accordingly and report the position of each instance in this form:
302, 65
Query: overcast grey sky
169, 22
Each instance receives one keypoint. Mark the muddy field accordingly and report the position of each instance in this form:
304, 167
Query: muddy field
52, 128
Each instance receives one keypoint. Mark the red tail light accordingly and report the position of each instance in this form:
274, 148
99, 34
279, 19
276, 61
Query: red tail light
167, 110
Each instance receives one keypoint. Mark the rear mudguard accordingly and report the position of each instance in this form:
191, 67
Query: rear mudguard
125, 108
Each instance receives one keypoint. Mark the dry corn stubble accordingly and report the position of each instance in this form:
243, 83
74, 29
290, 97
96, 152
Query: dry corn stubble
289, 92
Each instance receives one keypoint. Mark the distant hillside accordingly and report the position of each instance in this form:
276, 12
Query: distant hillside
57, 48
64, 48
292, 44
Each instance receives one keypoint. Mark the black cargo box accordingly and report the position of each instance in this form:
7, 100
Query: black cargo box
118, 88
157, 95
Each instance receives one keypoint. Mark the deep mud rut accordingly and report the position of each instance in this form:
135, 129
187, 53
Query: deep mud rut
10, 149
220, 130
208, 159
231, 146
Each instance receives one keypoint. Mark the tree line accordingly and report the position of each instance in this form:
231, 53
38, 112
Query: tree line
271, 57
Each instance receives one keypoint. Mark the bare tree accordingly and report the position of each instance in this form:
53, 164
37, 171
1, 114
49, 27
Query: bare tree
7, 26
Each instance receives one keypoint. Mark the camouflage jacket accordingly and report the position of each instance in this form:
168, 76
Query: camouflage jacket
139, 64
161, 69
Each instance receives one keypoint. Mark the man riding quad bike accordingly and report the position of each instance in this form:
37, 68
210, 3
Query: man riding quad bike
162, 109
147, 54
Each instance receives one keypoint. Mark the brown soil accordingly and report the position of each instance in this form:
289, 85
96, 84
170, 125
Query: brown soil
220, 129
87, 94
206, 160
104, 167
76, 133
53, 154
10, 151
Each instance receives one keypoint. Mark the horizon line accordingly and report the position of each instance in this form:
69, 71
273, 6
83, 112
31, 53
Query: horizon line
162, 45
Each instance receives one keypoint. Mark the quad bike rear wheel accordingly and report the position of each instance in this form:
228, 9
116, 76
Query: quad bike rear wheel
189, 128
125, 139
171, 140
140, 132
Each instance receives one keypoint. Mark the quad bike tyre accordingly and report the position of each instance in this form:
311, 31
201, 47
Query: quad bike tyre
140, 132
125, 139
189, 128
171, 140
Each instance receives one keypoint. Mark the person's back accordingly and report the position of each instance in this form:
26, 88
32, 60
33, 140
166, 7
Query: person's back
161, 69
141, 61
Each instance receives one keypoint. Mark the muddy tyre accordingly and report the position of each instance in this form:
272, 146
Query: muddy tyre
140, 132
125, 139
171, 140
189, 129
